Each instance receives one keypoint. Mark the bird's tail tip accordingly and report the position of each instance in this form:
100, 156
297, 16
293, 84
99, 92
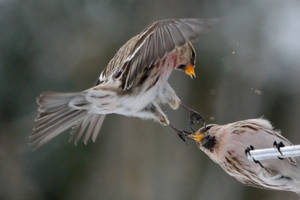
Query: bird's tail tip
55, 115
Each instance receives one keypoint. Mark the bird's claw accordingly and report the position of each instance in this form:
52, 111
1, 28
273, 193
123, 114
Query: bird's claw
182, 134
248, 149
247, 152
278, 146
196, 118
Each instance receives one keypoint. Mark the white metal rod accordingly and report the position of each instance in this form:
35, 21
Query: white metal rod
271, 150
273, 153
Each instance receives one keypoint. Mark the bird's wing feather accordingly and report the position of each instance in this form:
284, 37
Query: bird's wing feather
158, 39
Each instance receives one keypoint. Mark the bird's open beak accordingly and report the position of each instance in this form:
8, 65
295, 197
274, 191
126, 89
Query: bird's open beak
189, 70
197, 137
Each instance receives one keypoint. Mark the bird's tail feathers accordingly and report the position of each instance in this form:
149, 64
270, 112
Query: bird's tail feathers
60, 111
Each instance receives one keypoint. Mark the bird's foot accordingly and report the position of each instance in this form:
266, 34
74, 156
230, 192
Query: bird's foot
195, 117
247, 152
174, 103
164, 121
278, 146
182, 134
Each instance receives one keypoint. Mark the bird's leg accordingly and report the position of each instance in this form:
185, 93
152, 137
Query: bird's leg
157, 114
278, 146
247, 152
168, 95
153, 111
195, 117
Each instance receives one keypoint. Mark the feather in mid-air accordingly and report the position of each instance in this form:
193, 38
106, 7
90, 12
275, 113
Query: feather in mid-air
134, 83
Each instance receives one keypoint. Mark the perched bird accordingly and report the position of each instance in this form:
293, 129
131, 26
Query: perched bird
228, 146
134, 83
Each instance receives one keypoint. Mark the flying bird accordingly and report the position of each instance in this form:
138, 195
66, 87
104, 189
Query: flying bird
229, 145
134, 83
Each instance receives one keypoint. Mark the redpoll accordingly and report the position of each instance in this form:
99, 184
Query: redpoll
229, 145
134, 83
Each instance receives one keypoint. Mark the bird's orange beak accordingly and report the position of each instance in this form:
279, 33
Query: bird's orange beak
197, 137
189, 70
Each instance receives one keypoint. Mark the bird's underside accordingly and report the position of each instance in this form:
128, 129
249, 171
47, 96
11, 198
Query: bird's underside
143, 101
134, 83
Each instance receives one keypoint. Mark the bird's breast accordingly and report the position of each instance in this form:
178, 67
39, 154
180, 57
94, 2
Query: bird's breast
167, 65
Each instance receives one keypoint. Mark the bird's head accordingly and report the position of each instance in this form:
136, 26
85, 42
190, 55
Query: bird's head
186, 60
205, 137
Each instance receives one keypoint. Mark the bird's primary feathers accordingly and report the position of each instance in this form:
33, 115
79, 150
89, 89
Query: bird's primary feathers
228, 150
134, 83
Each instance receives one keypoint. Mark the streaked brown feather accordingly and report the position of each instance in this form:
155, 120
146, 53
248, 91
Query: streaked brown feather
151, 46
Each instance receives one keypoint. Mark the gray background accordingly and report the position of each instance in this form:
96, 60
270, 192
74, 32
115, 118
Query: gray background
247, 67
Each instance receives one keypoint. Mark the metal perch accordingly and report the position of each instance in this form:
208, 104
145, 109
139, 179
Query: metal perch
273, 153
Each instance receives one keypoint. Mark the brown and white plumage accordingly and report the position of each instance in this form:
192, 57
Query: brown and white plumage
226, 145
134, 83
151, 46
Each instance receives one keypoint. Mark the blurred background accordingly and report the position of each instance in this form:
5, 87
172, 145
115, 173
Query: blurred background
247, 67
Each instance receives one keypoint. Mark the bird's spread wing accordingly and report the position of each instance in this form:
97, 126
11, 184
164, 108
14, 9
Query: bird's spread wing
151, 45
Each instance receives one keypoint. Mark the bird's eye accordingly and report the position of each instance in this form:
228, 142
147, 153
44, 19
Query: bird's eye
181, 67
209, 126
193, 57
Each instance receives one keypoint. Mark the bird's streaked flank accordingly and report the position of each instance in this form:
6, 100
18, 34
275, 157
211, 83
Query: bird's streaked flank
134, 83
229, 146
